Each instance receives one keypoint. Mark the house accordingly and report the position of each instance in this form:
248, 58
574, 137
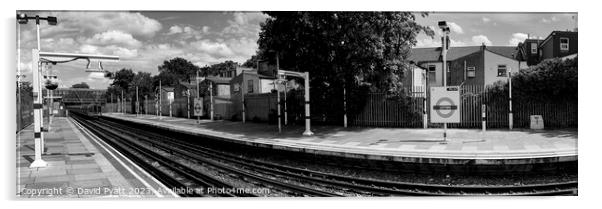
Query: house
559, 44
528, 51
468, 65
250, 82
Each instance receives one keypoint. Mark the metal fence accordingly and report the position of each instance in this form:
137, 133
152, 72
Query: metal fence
24, 111
380, 110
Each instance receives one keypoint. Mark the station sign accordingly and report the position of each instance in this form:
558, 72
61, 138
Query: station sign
170, 96
445, 104
198, 106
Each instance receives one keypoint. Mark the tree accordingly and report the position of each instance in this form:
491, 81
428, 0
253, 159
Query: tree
181, 68
122, 78
222, 67
82, 85
359, 50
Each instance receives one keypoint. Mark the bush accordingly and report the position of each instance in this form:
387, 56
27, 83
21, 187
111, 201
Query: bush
552, 80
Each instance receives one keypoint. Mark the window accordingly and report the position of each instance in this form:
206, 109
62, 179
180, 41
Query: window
533, 48
501, 71
470, 72
564, 43
250, 86
432, 70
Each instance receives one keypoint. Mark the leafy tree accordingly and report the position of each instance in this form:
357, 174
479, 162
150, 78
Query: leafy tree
358, 50
122, 78
221, 67
181, 68
82, 85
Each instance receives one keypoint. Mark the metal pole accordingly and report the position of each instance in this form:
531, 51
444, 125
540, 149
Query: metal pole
242, 94
198, 94
19, 78
278, 91
484, 116
278, 106
137, 102
160, 104
122, 103
307, 131
37, 111
444, 53
211, 98
510, 116
344, 105
188, 102
425, 91
146, 104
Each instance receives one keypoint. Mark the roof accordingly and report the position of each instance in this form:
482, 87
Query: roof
434, 53
555, 33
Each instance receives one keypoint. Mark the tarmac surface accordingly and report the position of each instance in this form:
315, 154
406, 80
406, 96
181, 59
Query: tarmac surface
397, 144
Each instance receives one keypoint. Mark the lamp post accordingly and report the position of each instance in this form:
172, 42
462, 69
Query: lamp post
444, 42
37, 104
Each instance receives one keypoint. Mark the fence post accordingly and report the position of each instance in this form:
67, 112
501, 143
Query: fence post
424, 113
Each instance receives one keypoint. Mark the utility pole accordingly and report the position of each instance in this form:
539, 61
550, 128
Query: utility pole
278, 92
188, 102
146, 104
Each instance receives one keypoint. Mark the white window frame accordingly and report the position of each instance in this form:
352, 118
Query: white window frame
469, 70
564, 47
505, 74
533, 49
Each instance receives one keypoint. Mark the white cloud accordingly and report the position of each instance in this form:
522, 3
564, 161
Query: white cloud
481, 39
455, 28
485, 19
517, 38
175, 29
213, 48
97, 22
114, 37
429, 42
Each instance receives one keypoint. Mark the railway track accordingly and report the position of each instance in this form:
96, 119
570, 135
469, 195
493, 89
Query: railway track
133, 141
359, 185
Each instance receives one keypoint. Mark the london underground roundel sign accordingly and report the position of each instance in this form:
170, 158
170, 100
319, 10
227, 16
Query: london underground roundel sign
445, 104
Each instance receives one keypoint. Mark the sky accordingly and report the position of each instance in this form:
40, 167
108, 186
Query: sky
143, 40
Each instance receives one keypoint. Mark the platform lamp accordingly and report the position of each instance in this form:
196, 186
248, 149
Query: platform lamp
36, 82
445, 46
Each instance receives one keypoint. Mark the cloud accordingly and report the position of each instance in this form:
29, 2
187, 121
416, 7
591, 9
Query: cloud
174, 30
114, 37
96, 22
213, 48
429, 42
485, 19
182, 32
481, 39
455, 28
517, 38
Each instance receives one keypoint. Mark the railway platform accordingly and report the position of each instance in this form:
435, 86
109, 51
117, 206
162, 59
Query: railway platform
463, 146
79, 165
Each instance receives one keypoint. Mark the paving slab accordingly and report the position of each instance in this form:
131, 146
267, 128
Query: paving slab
77, 168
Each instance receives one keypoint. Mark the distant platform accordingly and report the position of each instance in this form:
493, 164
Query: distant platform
79, 165
463, 146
